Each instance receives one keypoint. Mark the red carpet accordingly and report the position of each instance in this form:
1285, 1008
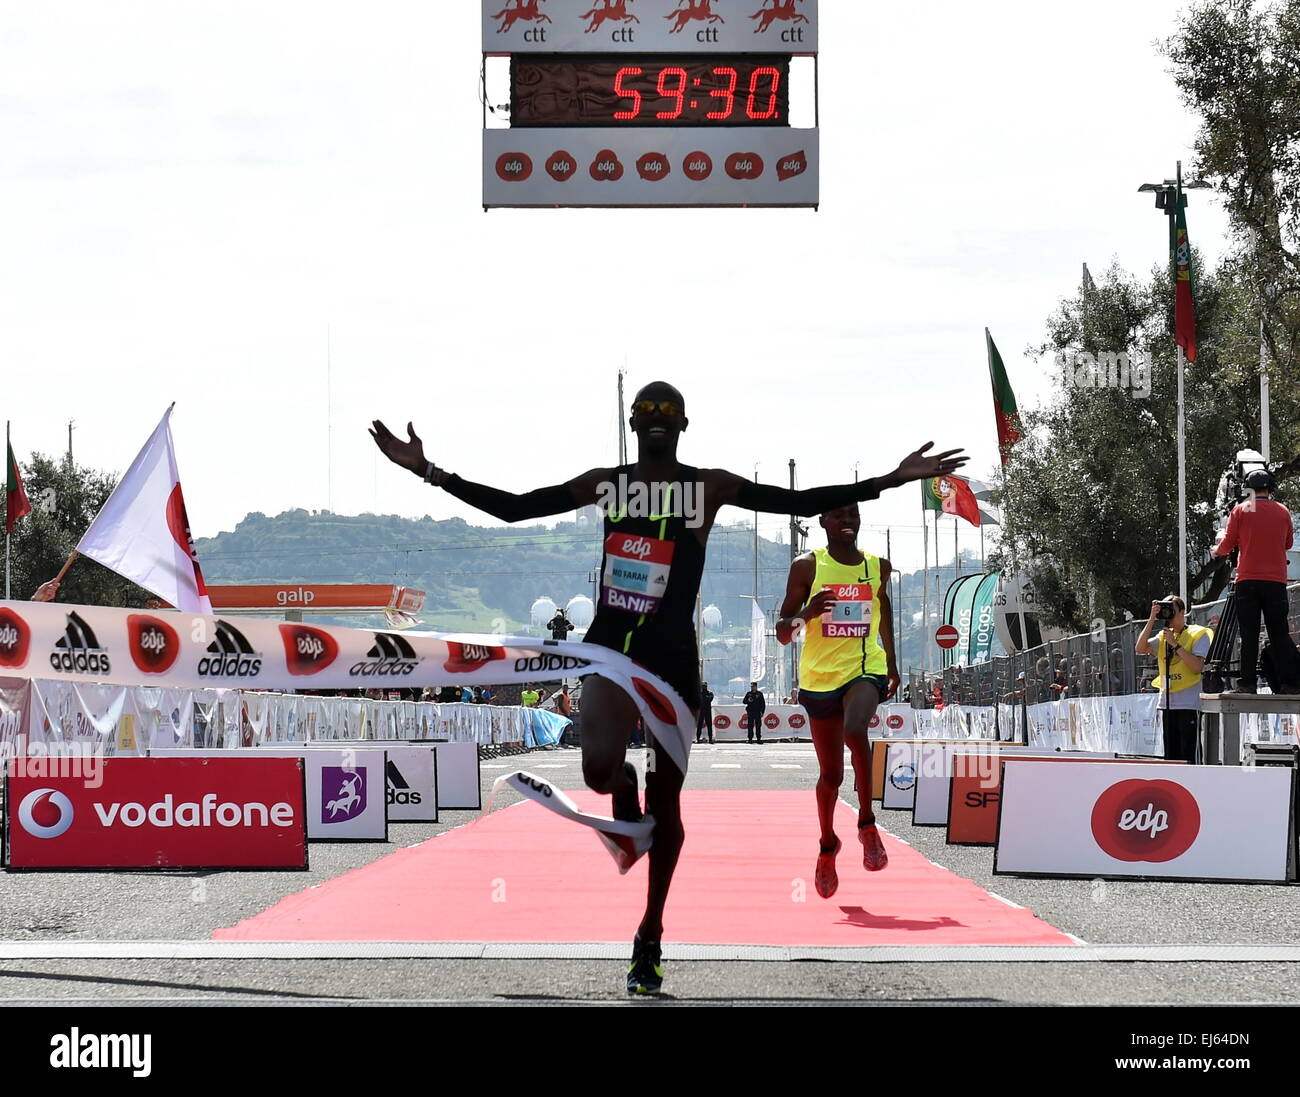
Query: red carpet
522, 874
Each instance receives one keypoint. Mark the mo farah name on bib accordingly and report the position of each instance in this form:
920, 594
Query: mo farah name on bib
636, 572
851, 614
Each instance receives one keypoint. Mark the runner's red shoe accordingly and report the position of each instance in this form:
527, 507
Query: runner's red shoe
825, 879
874, 857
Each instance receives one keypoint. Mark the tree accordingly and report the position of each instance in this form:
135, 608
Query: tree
1237, 65
1090, 501
42, 542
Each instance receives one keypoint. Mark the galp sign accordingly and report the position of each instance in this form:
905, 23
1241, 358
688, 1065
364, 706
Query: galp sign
1146, 820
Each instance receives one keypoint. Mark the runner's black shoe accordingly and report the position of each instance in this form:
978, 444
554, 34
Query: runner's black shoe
627, 809
645, 974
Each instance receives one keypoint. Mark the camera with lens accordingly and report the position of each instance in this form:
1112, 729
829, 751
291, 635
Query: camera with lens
1166, 609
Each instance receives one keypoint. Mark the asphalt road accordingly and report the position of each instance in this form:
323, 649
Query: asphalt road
54, 909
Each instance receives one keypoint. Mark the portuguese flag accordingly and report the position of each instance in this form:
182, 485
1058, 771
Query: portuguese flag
1184, 307
950, 495
1004, 401
16, 504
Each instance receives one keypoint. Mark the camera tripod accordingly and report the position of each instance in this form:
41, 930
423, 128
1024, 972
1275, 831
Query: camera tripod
1219, 661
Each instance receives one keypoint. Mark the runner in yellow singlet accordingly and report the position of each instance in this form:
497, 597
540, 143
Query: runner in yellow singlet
839, 597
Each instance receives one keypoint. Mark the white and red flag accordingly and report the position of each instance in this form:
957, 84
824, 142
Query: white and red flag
143, 533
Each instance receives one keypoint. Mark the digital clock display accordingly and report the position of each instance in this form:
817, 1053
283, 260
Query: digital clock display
652, 90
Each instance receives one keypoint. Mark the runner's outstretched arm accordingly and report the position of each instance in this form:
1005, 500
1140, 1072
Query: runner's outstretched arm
504, 505
769, 499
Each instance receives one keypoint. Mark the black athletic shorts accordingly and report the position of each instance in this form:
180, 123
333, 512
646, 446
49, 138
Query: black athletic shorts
829, 705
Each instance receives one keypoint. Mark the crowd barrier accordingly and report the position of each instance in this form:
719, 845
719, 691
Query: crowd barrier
132, 720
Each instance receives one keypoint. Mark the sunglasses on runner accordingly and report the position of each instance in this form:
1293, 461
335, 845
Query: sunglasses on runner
665, 407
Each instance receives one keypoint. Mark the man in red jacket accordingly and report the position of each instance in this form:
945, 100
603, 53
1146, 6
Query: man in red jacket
1261, 528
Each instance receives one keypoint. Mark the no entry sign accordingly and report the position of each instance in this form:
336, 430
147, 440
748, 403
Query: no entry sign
946, 636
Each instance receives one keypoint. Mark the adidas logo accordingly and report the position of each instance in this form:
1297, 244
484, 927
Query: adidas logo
78, 651
391, 654
230, 655
399, 790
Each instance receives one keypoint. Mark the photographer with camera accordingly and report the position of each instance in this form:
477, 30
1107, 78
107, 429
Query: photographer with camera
1260, 528
1180, 654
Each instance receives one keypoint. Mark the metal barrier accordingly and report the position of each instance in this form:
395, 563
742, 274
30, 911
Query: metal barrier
1090, 664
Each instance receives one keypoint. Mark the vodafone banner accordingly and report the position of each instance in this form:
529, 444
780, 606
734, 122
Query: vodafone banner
346, 797
158, 813
95, 644
1172, 822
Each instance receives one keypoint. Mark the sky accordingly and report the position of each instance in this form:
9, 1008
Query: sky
271, 215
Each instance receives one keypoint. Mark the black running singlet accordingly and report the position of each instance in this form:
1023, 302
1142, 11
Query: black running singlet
650, 576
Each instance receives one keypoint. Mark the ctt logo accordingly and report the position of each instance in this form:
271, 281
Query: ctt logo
874, 722
230, 655
45, 813
307, 650
391, 655
771, 721
78, 651
523, 11
15, 638
722, 722
796, 720
1152, 821
348, 789
154, 643
893, 721
399, 789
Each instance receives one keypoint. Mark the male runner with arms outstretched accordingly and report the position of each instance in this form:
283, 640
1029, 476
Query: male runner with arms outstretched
654, 627
847, 668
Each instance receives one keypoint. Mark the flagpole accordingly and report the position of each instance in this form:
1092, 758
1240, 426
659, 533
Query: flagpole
925, 592
6, 510
1182, 453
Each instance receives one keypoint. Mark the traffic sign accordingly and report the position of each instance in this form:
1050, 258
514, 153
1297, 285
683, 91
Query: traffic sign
946, 636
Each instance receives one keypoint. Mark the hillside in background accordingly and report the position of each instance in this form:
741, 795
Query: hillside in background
484, 579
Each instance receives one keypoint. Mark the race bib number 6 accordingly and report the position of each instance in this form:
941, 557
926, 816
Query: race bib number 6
851, 614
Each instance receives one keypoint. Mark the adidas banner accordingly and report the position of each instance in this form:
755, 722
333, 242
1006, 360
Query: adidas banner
190, 651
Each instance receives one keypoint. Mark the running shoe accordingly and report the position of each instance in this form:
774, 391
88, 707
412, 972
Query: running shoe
824, 876
645, 974
628, 810
874, 857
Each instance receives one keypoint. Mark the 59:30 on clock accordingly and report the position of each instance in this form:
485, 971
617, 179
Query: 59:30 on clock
738, 90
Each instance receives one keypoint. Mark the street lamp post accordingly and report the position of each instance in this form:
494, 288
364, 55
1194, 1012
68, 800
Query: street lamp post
1169, 200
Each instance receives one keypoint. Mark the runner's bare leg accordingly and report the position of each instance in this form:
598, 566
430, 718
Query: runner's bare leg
663, 798
608, 717
828, 742
860, 705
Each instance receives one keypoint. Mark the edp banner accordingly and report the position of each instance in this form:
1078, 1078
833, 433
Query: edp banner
158, 813
1230, 823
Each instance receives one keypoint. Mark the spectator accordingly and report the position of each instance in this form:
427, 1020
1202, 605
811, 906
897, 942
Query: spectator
528, 698
755, 706
704, 721
560, 626
1261, 528
1180, 651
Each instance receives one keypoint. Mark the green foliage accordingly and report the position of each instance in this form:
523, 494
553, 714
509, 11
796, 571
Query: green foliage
1091, 491
42, 542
